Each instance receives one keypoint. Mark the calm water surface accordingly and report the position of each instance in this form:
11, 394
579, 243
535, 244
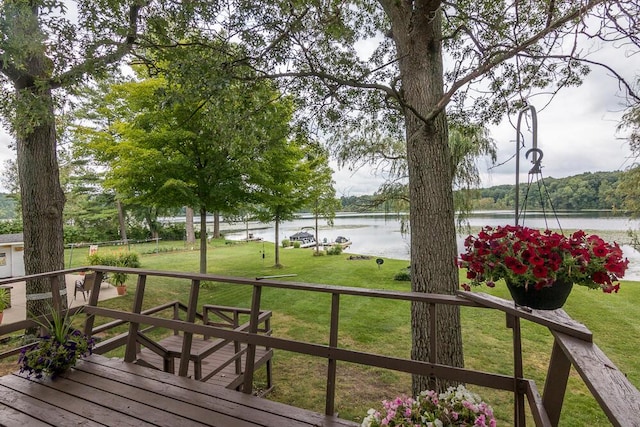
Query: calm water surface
380, 235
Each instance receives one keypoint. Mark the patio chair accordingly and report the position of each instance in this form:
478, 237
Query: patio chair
84, 285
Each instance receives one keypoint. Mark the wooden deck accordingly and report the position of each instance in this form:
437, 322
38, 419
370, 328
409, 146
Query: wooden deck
222, 360
101, 391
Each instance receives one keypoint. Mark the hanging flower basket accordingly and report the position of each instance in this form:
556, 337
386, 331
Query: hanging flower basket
541, 268
547, 298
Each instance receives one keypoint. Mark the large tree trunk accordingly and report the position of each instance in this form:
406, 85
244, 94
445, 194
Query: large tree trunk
277, 248
191, 235
203, 240
417, 34
122, 222
40, 191
216, 225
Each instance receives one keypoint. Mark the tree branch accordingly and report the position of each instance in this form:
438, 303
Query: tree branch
94, 63
500, 57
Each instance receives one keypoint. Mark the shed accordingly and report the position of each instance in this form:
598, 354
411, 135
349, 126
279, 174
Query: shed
11, 255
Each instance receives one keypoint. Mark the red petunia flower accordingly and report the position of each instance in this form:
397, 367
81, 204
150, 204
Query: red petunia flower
540, 258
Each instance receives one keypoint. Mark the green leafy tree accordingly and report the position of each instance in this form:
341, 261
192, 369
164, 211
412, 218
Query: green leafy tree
45, 51
289, 177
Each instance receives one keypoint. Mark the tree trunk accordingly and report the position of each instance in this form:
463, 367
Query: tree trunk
216, 225
417, 35
40, 191
122, 222
317, 235
203, 240
191, 235
278, 265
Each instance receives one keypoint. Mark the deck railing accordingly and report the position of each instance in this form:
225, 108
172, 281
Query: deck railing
573, 343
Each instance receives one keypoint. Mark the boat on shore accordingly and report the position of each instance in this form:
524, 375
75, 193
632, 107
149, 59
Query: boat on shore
341, 241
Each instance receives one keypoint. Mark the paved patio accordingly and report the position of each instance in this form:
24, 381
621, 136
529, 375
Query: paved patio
18, 309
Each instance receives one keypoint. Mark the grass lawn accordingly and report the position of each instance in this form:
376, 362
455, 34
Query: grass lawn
383, 327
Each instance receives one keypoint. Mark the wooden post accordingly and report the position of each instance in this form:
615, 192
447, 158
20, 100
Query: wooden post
513, 322
247, 387
93, 301
556, 383
333, 342
132, 338
433, 343
55, 293
188, 336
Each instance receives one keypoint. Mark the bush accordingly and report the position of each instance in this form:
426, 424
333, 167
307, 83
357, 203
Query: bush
334, 250
286, 243
296, 245
120, 259
403, 276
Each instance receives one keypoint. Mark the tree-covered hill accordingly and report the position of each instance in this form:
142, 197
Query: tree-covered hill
590, 190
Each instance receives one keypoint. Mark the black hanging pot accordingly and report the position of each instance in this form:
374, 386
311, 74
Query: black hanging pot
547, 298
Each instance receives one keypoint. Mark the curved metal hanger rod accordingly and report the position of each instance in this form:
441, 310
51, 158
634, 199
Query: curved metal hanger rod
536, 151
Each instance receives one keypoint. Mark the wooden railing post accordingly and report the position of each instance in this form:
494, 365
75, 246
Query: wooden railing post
132, 339
556, 384
513, 322
433, 343
93, 302
332, 363
247, 387
188, 336
55, 293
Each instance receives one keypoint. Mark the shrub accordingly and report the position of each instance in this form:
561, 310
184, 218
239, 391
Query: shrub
296, 245
334, 250
120, 259
286, 243
403, 276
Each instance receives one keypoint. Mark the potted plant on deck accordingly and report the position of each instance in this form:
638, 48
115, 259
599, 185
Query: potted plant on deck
540, 268
118, 280
57, 349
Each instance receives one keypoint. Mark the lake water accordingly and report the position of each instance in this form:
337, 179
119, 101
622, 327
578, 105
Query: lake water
380, 235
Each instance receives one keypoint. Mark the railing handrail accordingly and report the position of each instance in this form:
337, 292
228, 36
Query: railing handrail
545, 411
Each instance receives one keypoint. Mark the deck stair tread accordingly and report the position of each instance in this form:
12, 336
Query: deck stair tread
227, 377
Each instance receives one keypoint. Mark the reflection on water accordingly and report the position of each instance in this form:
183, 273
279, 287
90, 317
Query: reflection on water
380, 234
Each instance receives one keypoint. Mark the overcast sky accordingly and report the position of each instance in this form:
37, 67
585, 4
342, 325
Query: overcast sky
576, 132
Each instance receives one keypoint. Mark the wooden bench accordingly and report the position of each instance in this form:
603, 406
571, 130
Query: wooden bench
216, 361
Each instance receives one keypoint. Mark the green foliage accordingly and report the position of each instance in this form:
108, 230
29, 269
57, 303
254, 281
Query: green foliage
118, 259
286, 243
334, 250
403, 276
597, 190
8, 206
296, 245
5, 299
11, 227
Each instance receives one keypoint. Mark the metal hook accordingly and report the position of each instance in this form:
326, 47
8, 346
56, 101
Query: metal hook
537, 158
